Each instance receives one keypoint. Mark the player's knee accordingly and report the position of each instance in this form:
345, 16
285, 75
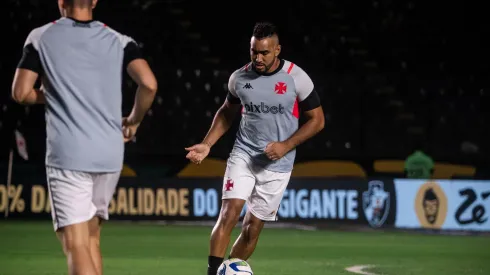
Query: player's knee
74, 244
74, 237
228, 218
230, 213
94, 227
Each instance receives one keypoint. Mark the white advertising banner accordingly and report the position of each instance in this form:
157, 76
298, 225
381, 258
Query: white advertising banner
443, 204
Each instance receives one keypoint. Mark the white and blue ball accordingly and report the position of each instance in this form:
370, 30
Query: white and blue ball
235, 267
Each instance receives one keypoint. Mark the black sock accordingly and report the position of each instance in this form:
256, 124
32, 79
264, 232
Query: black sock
213, 264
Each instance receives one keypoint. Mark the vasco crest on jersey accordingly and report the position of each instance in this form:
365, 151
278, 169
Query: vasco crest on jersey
376, 203
280, 88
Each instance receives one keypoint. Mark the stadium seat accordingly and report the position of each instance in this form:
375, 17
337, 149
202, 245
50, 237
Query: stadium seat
449, 171
209, 167
128, 171
328, 169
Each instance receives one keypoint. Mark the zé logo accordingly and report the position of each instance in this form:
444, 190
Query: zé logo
477, 212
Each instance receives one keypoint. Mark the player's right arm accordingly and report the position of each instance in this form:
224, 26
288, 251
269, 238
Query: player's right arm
27, 73
141, 73
221, 124
23, 91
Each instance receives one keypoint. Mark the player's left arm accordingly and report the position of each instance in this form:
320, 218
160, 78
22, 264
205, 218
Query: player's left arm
310, 106
315, 121
25, 77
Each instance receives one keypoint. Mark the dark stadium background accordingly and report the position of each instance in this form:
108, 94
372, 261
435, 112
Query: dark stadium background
392, 76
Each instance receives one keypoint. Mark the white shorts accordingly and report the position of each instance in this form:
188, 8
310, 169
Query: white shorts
262, 189
79, 196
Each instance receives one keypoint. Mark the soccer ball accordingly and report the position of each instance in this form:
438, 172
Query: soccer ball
234, 267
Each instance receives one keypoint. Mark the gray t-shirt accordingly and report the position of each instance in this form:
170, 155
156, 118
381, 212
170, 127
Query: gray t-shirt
81, 65
271, 108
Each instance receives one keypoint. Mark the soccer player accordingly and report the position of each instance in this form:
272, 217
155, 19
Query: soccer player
80, 62
272, 92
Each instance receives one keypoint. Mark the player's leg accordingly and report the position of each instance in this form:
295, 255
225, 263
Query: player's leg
104, 186
220, 235
238, 183
245, 245
94, 240
74, 240
261, 206
71, 201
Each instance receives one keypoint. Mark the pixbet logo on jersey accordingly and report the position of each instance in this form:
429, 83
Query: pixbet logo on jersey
263, 108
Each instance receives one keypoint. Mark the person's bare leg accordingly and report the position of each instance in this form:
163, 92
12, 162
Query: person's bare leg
220, 236
76, 245
247, 241
94, 233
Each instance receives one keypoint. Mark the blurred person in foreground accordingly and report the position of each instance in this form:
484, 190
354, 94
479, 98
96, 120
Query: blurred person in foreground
80, 62
273, 92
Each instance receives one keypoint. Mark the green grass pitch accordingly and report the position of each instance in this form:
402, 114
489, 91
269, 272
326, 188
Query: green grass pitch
28, 248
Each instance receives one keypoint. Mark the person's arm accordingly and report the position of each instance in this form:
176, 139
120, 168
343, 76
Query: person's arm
141, 73
26, 74
315, 121
221, 124
310, 106
222, 120
23, 91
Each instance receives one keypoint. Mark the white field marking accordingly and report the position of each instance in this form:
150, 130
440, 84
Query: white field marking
359, 269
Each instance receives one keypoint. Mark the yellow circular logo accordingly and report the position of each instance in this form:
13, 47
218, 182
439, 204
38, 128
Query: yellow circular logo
431, 205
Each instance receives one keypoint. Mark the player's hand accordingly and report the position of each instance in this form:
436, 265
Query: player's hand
197, 153
129, 128
276, 150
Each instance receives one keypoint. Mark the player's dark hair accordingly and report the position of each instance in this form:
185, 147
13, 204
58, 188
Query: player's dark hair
79, 3
264, 30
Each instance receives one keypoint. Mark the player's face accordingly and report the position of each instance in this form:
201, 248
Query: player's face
264, 53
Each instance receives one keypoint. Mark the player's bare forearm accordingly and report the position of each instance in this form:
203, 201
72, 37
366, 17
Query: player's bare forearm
142, 103
36, 96
140, 72
221, 123
314, 124
23, 91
